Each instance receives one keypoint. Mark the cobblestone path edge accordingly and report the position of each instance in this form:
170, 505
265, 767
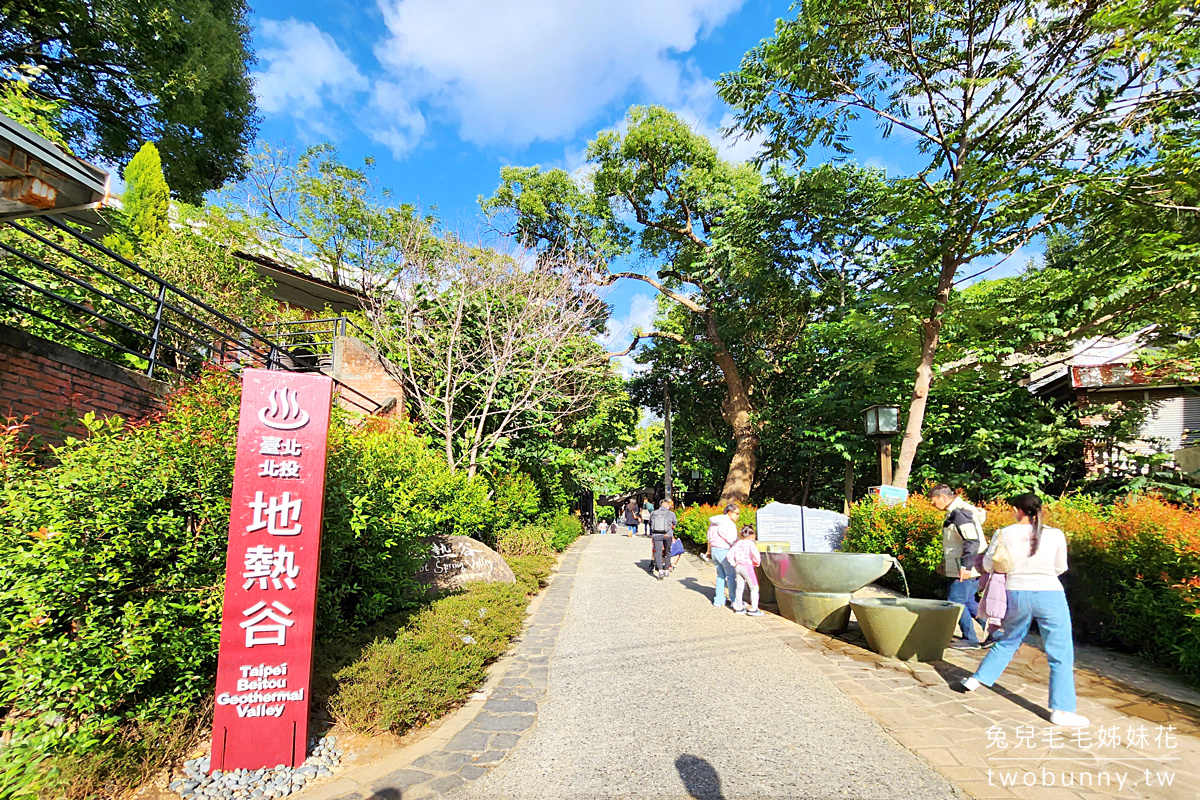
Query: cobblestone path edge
509, 713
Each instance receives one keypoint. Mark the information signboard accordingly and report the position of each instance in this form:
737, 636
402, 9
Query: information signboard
265, 661
808, 530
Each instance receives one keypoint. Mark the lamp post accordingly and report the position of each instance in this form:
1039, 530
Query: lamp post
882, 423
668, 489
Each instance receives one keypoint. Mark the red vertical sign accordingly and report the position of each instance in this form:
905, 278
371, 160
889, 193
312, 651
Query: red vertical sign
264, 666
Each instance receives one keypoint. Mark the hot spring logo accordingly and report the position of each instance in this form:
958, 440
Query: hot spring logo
283, 412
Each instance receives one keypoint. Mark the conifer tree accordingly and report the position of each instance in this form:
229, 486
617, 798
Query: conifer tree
147, 196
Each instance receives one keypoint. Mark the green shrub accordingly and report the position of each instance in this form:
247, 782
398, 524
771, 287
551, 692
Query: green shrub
527, 540
386, 492
1133, 579
440, 657
517, 499
692, 522
565, 528
112, 565
912, 532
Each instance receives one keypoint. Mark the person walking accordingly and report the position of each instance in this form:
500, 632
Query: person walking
962, 545
1037, 555
662, 532
631, 517
744, 557
722, 535
647, 510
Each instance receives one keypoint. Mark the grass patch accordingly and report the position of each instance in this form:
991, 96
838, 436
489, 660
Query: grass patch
439, 658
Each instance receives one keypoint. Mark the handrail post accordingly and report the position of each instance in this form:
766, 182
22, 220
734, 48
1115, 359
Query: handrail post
158, 315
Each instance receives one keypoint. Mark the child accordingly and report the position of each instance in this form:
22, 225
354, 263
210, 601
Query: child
744, 557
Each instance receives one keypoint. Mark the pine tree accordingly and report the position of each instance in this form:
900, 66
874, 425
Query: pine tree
147, 196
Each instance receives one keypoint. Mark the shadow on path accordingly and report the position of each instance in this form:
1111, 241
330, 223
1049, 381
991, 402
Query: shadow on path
952, 675
698, 587
701, 780
1032, 708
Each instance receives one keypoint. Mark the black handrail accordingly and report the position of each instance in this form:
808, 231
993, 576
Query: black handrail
158, 344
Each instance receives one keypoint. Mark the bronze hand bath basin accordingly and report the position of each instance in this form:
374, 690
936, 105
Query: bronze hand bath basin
824, 572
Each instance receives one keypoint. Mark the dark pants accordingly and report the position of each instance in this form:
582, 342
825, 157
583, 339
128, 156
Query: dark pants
964, 592
662, 550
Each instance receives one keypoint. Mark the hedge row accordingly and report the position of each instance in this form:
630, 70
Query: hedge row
693, 521
1132, 581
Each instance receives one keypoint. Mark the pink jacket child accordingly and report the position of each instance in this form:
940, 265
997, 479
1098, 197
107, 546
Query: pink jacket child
744, 557
745, 554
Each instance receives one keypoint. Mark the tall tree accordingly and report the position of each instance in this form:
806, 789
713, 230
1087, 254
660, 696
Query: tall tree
337, 215
660, 192
1015, 104
489, 349
171, 71
823, 234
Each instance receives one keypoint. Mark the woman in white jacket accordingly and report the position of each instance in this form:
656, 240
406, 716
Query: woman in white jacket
1038, 556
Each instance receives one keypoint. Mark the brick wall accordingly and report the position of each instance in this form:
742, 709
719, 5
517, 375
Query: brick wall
54, 385
358, 365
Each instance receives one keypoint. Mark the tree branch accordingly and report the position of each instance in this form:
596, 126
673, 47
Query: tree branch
637, 337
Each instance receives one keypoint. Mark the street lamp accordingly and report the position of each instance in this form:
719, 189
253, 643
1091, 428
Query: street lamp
882, 420
882, 423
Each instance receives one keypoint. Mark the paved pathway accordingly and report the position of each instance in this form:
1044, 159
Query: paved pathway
1144, 740
652, 692
626, 687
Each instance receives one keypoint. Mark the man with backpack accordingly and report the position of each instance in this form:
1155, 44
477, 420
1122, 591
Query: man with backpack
662, 532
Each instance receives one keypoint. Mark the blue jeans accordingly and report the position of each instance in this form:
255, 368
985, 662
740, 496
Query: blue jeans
725, 578
1054, 621
964, 592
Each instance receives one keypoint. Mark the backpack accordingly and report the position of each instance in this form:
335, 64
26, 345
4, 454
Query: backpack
660, 521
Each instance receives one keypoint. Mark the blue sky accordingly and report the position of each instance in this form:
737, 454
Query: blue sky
444, 92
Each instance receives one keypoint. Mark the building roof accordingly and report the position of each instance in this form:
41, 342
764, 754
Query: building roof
299, 289
38, 177
1098, 363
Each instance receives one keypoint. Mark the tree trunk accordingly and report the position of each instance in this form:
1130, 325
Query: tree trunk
737, 411
740, 477
930, 331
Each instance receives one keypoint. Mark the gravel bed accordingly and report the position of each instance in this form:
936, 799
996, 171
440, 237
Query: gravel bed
240, 784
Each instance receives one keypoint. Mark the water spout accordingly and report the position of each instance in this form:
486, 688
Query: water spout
896, 563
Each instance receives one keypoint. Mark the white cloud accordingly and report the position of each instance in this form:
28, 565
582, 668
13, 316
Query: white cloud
640, 316
399, 124
305, 69
522, 70
738, 146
